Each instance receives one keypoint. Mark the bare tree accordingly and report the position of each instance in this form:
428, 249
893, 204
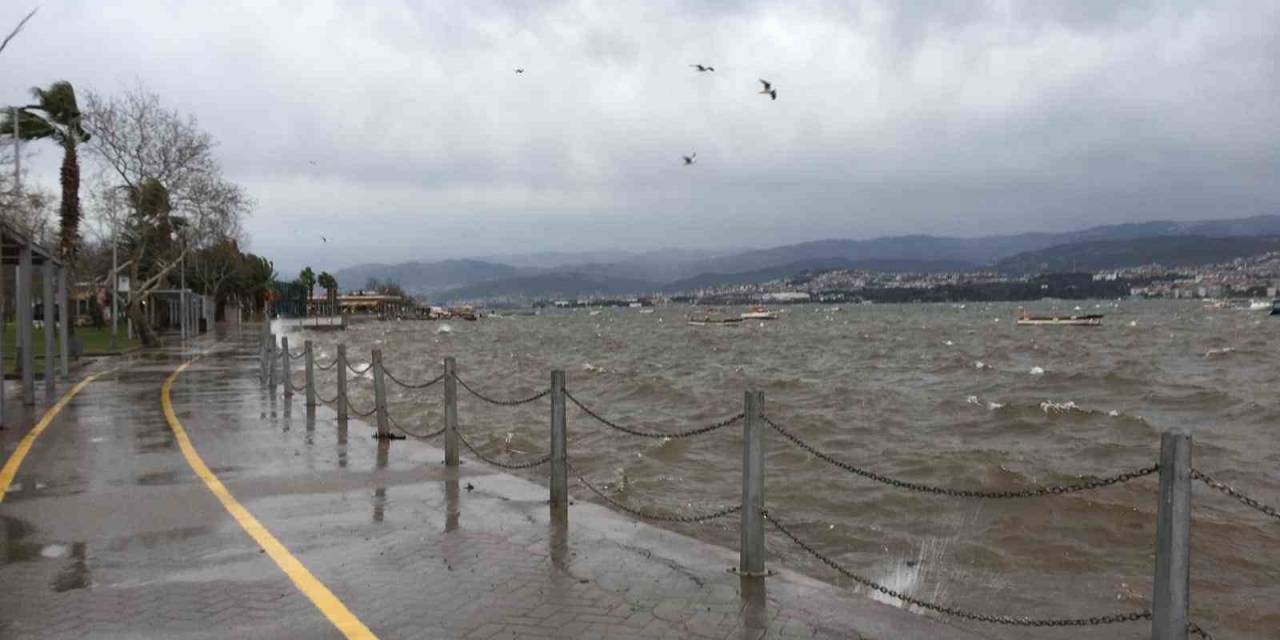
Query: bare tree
173, 194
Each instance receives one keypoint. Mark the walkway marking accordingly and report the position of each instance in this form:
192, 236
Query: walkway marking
11, 466
320, 596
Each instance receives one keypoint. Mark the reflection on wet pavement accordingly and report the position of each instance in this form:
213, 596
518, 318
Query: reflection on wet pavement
135, 546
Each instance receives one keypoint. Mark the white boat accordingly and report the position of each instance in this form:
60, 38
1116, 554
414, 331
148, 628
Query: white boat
1259, 305
646, 310
759, 313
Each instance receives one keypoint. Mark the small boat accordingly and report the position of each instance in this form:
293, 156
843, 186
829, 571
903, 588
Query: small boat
759, 313
1259, 305
646, 310
710, 318
1275, 307
709, 321
1086, 320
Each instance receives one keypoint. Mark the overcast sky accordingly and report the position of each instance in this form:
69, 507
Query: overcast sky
950, 117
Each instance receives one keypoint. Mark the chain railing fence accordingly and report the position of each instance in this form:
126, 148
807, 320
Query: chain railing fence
1168, 614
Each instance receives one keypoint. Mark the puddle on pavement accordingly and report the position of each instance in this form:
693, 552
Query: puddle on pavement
15, 547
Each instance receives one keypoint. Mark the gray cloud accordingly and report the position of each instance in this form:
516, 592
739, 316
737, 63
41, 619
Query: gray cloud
893, 117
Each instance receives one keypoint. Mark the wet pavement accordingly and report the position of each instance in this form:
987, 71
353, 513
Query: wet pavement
107, 532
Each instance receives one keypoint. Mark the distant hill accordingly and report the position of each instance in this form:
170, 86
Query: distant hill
793, 269
560, 284
1170, 251
983, 250
616, 272
425, 277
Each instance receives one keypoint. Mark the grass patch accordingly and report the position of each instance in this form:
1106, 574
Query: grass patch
94, 340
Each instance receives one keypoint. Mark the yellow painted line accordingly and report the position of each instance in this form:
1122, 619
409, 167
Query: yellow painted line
325, 601
11, 466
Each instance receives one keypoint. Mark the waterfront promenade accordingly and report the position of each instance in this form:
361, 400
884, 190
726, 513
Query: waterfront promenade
239, 514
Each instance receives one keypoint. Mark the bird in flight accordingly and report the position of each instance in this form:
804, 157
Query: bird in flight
326, 240
311, 162
688, 160
702, 69
519, 70
768, 89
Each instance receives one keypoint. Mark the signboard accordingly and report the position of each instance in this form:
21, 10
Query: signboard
122, 284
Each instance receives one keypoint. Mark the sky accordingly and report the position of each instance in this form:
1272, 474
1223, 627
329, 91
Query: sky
399, 130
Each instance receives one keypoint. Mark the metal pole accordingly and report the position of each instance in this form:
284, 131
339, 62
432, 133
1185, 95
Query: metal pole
342, 384
3, 306
380, 395
450, 412
286, 368
1172, 588
64, 317
115, 288
50, 329
311, 374
751, 549
182, 302
24, 319
272, 356
559, 466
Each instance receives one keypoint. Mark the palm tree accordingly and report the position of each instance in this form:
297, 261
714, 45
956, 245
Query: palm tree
56, 116
308, 281
258, 275
330, 285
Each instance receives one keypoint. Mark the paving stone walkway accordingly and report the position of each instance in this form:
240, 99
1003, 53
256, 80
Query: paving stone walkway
107, 533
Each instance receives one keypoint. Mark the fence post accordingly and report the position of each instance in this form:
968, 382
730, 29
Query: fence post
262, 358
380, 395
286, 368
311, 373
751, 547
1172, 588
272, 357
559, 468
342, 384
450, 412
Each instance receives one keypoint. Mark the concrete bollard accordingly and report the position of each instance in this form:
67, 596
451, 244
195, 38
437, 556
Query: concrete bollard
286, 368
342, 384
559, 445
310, 364
1171, 596
450, 412
380, 395
751, 547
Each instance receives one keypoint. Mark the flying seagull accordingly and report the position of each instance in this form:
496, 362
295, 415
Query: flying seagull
702, 69
768, 89
688, 160
519, 70
311, 162
326, 240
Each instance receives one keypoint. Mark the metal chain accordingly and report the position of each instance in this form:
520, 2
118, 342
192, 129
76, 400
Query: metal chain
649, 515
326, 367
964, 493
1022, 621
653, 434
420, 436
505, 465
324, 400
1229, 490
504, 403
407, 385
300, 388
360, 372
297, 355
363, 414
1195, 628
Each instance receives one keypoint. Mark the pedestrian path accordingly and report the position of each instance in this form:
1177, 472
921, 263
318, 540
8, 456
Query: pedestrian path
110, 530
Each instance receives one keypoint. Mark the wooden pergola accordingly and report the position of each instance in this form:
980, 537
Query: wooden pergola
27, 257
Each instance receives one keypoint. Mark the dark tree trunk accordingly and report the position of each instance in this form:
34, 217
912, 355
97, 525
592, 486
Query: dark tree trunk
69, 211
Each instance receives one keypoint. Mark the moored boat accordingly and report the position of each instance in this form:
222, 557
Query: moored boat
1085, 320
1275, 307
711, 318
